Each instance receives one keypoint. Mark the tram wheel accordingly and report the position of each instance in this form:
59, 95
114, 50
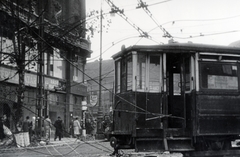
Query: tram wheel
113, 142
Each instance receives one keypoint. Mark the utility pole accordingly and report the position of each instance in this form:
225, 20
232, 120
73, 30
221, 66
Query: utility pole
100, 112
40, 78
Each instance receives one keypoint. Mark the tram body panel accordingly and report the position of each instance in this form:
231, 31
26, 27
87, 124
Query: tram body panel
218, 114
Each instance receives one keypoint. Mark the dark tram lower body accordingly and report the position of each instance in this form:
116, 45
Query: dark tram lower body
177, 98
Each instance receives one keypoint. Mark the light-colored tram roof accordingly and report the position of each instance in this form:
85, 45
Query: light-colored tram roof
180, 48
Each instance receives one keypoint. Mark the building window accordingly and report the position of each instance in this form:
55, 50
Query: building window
55, 64
78, 69
7, 49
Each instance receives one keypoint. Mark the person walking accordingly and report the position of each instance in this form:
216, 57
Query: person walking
77, 127
59, 129
6, 121
47, 128
27, 126
1, 130
93, 128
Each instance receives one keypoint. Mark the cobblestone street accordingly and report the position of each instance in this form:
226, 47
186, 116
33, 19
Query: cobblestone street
71, 147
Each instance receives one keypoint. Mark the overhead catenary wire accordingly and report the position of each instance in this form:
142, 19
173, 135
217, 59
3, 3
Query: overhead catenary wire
115, 9
144, 6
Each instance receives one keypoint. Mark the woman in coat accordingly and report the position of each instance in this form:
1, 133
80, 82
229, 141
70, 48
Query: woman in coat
76, 127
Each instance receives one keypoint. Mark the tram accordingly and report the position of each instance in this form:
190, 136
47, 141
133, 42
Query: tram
177, 97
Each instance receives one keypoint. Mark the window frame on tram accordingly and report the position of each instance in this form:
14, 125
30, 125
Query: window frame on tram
217, 78
126, 73
123, 74
144, 70
118, 75
219, 60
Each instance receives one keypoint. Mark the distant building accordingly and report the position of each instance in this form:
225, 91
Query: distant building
65, 50
92, 70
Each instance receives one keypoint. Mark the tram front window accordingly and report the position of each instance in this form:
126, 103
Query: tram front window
219, 76
154, 74
141, 72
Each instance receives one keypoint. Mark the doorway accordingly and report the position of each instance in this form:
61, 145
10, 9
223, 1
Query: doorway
178, 74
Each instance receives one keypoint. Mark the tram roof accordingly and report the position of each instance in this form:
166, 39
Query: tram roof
179, 47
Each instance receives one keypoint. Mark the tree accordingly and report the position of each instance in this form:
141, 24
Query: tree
19, 50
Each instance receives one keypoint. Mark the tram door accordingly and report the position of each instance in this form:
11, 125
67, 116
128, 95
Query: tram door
177, 85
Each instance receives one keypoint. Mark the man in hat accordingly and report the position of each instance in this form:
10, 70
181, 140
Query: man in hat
59, 129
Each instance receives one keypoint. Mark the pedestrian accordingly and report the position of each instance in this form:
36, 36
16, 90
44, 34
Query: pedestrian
6, 121
88, 126
71, 128
59, 129
93, 128
1, 130
47, 128
27, 126
77, 127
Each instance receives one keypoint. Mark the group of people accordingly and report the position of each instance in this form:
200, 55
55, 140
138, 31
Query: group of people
76, 127
59, 126
27, 126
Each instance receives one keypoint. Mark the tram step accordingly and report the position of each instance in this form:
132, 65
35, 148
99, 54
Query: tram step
179, 144
144, 133
149, 144
149, 139
181, 149
178, 138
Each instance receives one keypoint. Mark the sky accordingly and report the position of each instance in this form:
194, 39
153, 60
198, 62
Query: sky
215, 22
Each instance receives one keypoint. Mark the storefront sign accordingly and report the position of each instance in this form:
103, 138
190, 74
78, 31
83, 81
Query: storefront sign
11, 77
78, 89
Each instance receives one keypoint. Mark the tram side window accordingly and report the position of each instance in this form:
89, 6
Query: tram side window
141, 72
123, 75
118, 76
129, 72
219, 76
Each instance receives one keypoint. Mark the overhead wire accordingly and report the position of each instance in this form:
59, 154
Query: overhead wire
144, 6
204, 35
113, 44
115, 9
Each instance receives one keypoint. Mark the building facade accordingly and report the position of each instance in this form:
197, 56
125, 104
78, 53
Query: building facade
54, 30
